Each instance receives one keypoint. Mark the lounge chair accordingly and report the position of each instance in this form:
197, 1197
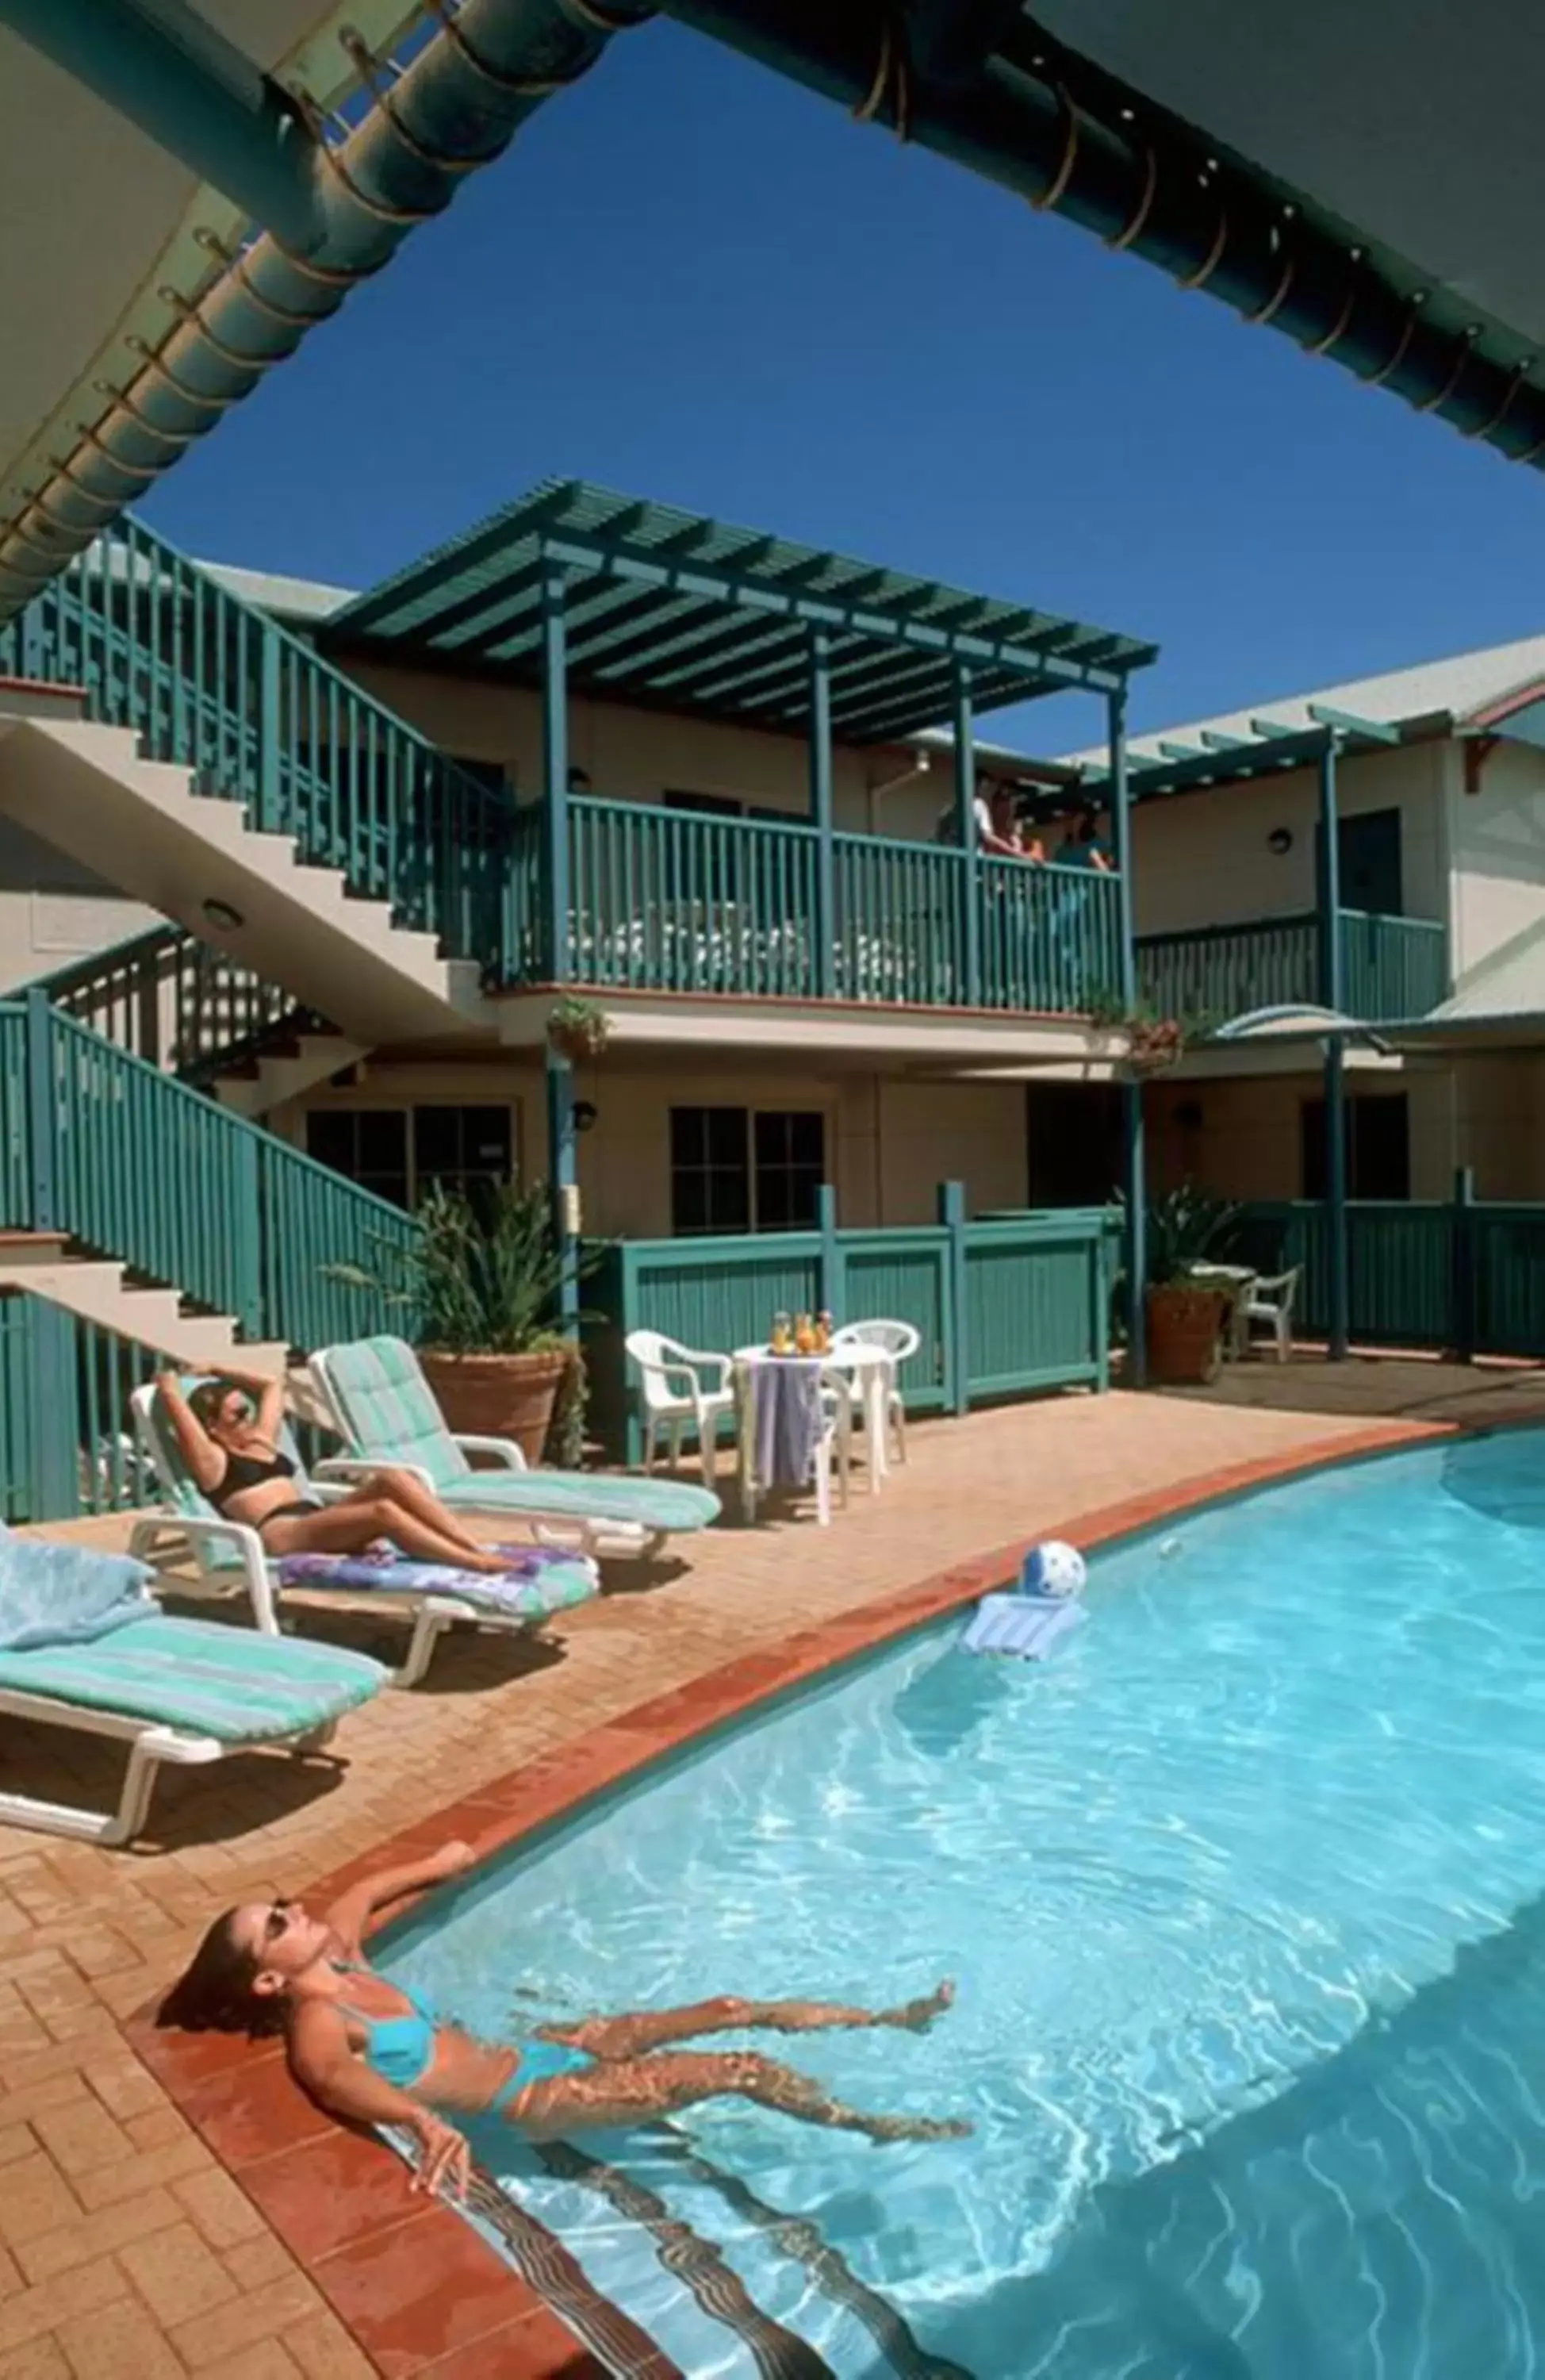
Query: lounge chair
110, 1662
230, 1557
377, 1394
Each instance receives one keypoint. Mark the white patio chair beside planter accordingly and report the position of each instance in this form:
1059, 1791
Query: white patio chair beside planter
1271, 1303
678, 1397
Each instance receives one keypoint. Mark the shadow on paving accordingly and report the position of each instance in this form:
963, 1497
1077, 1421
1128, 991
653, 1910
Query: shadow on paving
1378, 2219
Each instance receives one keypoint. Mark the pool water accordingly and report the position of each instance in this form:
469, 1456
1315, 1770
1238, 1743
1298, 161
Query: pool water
1244, 1892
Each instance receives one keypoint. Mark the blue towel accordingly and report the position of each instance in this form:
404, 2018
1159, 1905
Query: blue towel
1026, 1626
52, 1592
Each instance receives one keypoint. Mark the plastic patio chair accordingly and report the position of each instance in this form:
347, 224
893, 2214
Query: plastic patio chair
675, 1397
1271, 1301
834, 1445
901, 1342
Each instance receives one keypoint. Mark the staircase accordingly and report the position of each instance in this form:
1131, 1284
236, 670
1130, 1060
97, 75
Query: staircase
41, 1264
221, 773
187, 1007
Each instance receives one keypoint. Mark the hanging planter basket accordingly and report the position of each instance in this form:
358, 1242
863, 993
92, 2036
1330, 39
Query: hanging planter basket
1152, 1049
578, 1030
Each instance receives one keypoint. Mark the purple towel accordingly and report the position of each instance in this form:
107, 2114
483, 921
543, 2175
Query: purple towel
787, 1427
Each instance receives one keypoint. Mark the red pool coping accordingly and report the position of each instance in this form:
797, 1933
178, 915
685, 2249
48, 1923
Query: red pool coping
417, 2289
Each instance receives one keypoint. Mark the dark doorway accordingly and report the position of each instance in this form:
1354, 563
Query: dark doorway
1372, 875
1073, 1143
1378, 1147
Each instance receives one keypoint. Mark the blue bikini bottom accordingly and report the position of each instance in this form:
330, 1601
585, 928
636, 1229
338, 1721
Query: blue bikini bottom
540, 2061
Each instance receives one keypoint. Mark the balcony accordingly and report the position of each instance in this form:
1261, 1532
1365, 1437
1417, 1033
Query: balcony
670, 901
1393, 968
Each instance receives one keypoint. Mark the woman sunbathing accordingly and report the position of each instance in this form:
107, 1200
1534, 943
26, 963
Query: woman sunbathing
228, 1433
374, 2054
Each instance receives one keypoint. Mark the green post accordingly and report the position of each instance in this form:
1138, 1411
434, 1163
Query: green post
555, 771
42, 1111
965, 831
1332, 996
564, 1182
54, 1473
1462, 1295
957, 1348
1135, 1184
821, 812
831, 1254
269, 751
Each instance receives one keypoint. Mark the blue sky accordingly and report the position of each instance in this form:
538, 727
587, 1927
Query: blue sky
692, 280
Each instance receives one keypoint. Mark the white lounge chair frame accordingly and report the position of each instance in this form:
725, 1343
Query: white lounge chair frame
151, 1743
152, 1539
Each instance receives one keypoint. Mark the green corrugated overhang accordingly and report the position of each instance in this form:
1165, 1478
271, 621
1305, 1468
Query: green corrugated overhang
668, 609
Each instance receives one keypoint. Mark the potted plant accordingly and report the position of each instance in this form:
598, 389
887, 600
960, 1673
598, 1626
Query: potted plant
577, 1030
480, 1281
1185, 1317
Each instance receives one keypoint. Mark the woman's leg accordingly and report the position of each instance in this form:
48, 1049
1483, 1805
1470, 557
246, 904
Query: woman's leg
402, 1487
349, 1527
634, 2036
630, 2091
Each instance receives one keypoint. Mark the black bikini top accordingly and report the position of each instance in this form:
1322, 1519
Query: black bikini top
245, 1471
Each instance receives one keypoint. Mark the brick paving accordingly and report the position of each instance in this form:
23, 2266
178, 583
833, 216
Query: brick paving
125, 2247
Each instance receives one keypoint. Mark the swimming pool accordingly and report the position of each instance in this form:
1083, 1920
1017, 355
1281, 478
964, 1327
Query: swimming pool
1244, 1894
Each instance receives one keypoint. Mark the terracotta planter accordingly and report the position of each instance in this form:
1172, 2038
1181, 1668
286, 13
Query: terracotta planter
1184, 1335
499, 1396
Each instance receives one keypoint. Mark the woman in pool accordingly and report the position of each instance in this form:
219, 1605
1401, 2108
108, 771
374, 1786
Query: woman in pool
373, 2054
228, 1434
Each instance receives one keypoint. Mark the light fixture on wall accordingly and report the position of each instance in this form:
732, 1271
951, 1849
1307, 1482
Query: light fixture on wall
585, 1115
222, 916
1280, 840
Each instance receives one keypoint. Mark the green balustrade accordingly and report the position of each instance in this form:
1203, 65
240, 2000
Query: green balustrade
142, 1167
1051, 937
673, 900
213, 685
900, 922
171, 999
1394, 967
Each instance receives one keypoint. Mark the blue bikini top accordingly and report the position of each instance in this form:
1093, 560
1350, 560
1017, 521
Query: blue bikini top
399, 2048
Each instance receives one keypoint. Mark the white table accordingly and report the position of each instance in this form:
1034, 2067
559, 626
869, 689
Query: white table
1237, 1283
873, 1371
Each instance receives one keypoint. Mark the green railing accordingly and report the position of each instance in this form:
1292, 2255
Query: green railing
215, 685
139, 1166
170, 999
68, 1446
672, 901
669, 900
1004, 1308
1392, 967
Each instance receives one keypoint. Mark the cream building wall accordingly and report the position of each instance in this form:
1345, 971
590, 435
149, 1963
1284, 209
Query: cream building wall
1497, 838
1242, 1137
889, 1142
53, 911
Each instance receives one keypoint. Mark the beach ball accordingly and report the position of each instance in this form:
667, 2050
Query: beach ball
1054, 1569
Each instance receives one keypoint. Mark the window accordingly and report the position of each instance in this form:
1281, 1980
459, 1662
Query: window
1369, 862
367, 1145
1378, 1147
732, 1169
397, 1152
460, 1147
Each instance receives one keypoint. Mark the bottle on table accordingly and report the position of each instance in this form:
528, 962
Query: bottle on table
823, 1334
781, 1339
804, 1336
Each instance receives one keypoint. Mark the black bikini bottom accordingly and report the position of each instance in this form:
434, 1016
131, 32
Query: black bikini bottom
290, 1511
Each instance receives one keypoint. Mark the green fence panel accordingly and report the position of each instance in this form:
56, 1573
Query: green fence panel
19, 1417
1036, 1303
901, 1276
1223, 971
1400, 1259
1507, 1251
15, 1141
